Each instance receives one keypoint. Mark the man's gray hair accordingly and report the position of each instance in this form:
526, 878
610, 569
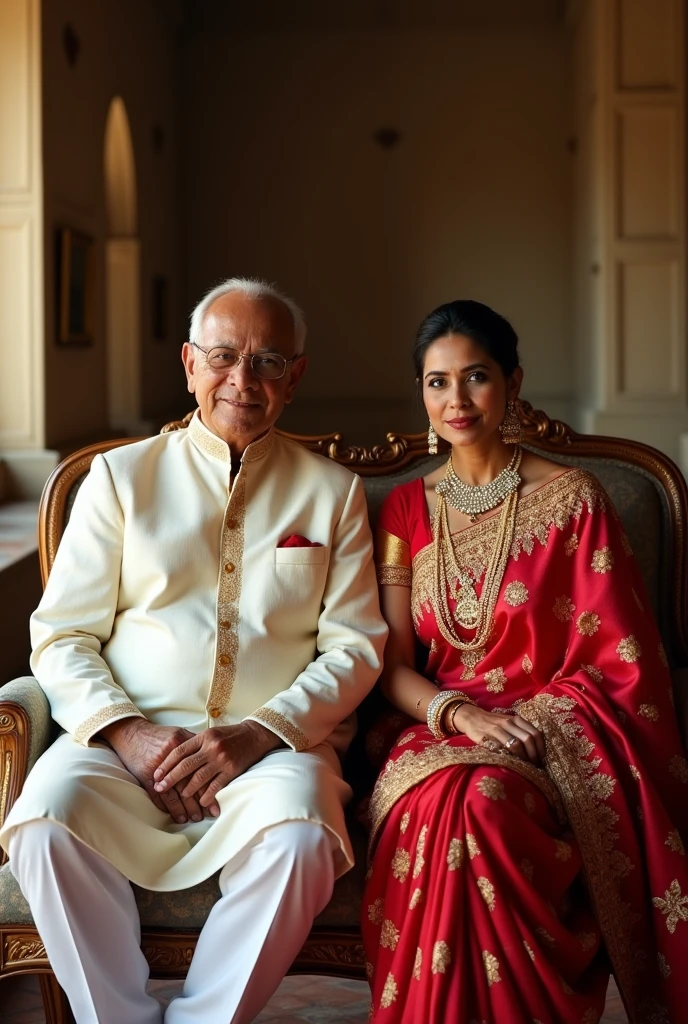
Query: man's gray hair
255, 289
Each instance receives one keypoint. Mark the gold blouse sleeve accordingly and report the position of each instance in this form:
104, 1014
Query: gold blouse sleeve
393, 560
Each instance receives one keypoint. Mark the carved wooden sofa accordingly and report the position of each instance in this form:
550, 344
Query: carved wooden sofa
652, 499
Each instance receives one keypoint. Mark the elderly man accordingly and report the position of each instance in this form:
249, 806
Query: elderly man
209, 626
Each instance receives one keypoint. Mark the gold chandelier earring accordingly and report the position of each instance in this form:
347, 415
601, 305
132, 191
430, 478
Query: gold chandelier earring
432, 440
510, 427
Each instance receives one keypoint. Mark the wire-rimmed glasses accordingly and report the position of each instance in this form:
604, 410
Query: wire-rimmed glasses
268, 365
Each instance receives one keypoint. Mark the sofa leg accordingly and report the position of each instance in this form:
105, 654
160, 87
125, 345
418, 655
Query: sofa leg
55, 1005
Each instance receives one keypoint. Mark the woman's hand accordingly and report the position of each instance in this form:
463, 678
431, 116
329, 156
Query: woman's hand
508, 732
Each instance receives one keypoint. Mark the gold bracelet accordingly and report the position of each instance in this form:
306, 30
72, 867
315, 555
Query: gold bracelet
452, 724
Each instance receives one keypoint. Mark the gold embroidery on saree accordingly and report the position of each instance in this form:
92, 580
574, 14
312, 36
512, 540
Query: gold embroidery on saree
584, 790
516, 593
401, 864
487, 891
529, 950
493, 789
649, 711
594, 673
376, 912
495, 680
629, 650
674, 906
419, 863
405, 821
418, 964
441, 957
563, 608
571, 545
675, 843
472, 846
678, 766
411, 767
527, 665
664, 968
389, 935
588, 623
602, 560
491, 965
455, 854
389, 992
416, 898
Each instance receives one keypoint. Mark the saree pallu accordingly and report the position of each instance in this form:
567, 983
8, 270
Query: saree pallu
582, 862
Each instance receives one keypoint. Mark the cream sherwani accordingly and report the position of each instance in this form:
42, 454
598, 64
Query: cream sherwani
171, 598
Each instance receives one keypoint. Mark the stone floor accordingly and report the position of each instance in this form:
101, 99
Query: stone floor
299, 1000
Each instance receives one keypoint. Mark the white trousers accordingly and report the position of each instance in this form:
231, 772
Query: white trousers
87, 917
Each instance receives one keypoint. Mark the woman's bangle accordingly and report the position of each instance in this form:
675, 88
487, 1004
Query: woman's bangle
437, 708
452, 723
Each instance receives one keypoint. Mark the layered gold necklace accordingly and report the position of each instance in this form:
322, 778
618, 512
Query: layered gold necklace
472, 612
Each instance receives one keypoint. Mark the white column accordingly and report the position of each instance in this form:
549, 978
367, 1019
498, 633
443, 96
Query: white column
21, 249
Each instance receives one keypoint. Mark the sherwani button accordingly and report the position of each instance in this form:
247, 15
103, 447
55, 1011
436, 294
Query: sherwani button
225, 624
232, 524
229, 566
214, 712
224, 659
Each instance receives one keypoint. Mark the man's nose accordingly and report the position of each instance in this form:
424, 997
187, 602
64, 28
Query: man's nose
241, 375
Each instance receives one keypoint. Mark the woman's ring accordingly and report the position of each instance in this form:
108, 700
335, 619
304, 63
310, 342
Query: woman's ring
510, 743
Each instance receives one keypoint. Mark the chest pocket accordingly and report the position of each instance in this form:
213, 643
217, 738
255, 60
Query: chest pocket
286, 558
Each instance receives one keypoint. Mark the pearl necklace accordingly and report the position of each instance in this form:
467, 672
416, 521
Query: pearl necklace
473, 501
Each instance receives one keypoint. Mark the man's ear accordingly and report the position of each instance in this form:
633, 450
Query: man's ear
189, 361
296, 372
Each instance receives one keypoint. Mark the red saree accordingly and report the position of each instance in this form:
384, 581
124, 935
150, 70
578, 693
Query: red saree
498, 891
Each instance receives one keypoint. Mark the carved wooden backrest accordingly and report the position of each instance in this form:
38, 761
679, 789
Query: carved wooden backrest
647, 488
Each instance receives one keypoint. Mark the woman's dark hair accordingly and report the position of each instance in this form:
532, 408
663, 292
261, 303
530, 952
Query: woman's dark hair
491, 331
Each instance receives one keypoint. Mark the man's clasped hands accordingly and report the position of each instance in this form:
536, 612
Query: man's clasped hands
182, 771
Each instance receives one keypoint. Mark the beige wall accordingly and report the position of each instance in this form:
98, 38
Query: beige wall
128, 48
284, 180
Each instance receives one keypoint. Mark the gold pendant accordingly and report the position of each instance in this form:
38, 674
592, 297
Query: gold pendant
467, 611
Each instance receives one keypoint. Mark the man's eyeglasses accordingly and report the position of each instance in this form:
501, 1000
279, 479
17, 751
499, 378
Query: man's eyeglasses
268, 365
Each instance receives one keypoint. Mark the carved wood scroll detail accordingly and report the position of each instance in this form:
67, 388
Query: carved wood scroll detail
168, 957
20, 948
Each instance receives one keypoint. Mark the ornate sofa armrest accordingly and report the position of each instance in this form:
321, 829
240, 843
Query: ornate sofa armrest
25, 726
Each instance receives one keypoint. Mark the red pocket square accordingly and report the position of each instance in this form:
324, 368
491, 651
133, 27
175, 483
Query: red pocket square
297, 541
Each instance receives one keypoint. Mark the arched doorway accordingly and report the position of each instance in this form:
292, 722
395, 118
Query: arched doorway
122, 274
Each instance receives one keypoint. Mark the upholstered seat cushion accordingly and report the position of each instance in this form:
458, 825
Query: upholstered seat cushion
189, 908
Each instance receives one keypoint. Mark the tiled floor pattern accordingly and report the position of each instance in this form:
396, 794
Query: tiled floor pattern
299, 1000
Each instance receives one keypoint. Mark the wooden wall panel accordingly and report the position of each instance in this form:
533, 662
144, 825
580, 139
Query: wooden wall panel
648, 342
647, 153
647, 51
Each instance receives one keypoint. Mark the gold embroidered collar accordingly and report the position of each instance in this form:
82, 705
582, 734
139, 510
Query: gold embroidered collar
212, 445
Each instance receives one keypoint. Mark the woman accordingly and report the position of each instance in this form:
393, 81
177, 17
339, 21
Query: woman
526, 827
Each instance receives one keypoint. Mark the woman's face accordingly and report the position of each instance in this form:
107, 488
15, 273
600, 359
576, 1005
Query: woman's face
464, 390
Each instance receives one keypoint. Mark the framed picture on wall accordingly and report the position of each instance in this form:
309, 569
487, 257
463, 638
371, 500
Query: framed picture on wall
75, 287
